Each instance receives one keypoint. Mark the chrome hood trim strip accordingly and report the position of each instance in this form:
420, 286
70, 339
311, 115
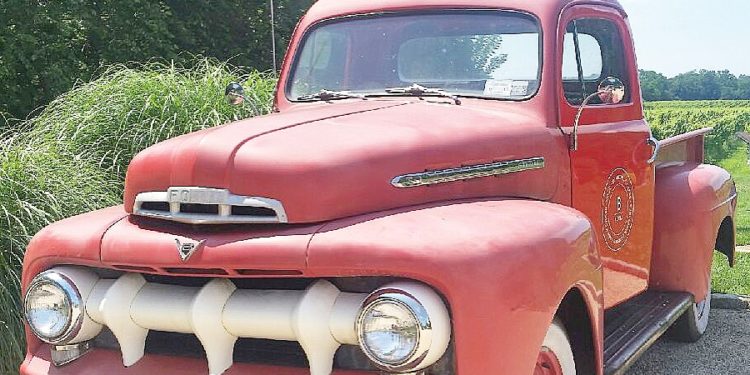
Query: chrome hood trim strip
467, 173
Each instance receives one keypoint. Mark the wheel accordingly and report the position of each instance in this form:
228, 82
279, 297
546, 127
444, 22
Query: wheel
556, 354
691, 326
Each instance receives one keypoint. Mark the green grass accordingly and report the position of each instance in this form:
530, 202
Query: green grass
736, 280
72, 157
737, 165
731, 280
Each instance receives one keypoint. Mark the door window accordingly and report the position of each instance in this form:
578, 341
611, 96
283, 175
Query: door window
593, 50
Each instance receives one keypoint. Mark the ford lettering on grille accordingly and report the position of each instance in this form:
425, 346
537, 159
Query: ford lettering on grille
198, 195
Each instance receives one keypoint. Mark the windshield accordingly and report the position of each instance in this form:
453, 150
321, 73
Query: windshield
478, 53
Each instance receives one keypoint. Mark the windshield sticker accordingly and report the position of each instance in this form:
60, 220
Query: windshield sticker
506, 88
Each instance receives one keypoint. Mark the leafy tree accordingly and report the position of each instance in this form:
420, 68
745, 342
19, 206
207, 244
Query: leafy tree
48, 46
743, 87
655, 86
727, 83
697, 85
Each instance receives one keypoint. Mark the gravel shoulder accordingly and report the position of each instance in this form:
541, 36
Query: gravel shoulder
723, 350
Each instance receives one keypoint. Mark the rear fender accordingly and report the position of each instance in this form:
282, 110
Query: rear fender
504, 266
694, 214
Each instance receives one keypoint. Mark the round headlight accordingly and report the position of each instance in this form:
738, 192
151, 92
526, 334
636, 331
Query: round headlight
53, 308
399, 333
389, 332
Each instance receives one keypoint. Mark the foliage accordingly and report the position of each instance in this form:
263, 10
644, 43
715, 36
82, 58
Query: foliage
737, 165
48, 46
655, 86
82, 143
726, 117
731, 280
695, 85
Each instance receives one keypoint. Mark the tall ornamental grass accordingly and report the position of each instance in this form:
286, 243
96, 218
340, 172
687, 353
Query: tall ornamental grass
72, 157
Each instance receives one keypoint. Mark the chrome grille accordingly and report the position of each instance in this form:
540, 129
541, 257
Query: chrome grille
197, 205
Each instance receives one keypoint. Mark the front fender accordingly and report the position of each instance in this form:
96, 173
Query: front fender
692, 202
75, 240
502, 265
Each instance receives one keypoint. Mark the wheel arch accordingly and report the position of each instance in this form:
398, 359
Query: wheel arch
726, 239
583, 323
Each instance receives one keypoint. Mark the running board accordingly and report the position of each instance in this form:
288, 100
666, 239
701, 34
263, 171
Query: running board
631, 328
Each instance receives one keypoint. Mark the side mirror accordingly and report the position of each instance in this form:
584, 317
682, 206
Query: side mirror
235, 94
611, 91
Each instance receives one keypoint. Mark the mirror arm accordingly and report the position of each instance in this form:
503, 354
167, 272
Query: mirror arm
574, 139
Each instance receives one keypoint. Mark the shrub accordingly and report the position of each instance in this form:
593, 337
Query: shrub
82, 143
48, 46
726, 117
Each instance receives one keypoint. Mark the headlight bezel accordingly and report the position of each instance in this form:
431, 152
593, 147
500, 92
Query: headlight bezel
419, 313
74, 299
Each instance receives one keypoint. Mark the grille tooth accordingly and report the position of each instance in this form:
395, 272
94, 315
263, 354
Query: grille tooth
207, 318
217, 313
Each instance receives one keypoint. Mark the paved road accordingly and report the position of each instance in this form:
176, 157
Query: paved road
724, 350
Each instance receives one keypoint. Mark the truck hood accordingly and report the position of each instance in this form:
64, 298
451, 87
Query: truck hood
339, 160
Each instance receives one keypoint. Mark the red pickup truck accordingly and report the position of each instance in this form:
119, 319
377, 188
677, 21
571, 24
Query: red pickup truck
447, 187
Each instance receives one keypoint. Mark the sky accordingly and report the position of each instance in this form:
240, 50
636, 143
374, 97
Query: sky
677, 36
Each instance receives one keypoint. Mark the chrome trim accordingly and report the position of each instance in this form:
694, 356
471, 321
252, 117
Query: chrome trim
77, 309
176, 196
656, 145
424, 335
467, 173
187, 249
61, 355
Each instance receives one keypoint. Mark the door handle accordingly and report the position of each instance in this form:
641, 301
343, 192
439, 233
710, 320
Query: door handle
656, 145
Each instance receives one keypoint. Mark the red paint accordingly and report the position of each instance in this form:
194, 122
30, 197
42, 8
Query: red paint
357, 155
101, 361
503, 251
680, 260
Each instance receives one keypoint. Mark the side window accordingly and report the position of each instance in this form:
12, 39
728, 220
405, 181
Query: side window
591, 58
593, 50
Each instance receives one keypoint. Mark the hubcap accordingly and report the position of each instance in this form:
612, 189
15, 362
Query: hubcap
547, 363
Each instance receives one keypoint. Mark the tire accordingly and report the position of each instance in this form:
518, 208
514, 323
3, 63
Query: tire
691, 326
556, 354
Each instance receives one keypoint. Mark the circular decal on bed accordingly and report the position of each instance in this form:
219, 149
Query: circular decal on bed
618, 209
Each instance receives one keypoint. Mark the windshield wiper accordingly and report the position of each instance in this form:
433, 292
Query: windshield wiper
327, 95
418, 90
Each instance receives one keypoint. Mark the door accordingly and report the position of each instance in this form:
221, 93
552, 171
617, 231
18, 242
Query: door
613, 182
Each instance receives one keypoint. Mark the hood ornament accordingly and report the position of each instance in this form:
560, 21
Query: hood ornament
187, 249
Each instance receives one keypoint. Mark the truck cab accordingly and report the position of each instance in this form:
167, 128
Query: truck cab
454, 187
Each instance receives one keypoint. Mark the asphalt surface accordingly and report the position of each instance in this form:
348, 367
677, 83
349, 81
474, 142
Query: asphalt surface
723, 350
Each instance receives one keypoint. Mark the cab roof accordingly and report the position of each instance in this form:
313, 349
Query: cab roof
324, 9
